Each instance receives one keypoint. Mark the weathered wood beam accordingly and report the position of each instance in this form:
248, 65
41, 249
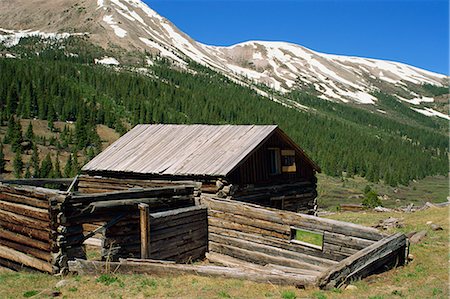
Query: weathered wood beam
339, 274
144, 223
24, 259
94, 267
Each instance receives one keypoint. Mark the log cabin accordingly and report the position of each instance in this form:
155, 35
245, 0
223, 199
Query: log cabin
252, 163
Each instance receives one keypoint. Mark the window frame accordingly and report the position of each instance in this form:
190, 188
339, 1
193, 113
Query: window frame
294, 229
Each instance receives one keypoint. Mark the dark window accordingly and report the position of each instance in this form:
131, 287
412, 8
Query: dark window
275, 161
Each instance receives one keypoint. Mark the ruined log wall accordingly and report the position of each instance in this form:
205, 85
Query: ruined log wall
264, 236
30, 232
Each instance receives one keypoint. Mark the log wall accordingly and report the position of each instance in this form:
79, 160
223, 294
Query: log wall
29, 228
178, 235
263, 235
177, 227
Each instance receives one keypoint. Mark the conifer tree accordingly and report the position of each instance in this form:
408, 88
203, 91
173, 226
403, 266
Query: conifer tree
18, 165
68, 167
29, 134
46, 167
35, 161
75, 166
27, 174
57, 169
2, 159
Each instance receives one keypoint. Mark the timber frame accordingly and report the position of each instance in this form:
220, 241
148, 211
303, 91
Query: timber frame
161, 229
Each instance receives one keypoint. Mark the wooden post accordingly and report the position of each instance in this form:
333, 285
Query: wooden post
145, 230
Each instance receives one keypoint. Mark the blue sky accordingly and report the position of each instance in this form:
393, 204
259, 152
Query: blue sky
415, 32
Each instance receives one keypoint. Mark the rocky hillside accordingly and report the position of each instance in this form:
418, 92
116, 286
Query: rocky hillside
132, 26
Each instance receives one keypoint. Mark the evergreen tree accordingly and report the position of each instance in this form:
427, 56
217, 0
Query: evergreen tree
46, 167
18, 165
68, 170
27, 174
2, 159
29, 134
57, 169
75, 166
35, 161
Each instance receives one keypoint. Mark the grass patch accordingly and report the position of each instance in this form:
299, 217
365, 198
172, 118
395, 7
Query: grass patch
425, 277
29, 294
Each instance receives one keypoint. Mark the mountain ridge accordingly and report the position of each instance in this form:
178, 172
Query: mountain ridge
282, 66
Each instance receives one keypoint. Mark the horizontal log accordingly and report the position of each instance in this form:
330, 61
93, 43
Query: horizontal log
313, 256
347, 241
43, 235
93, 267
212, 221
38, 182
132, 203
22, 239
86, 179
339, 274
26, 200
269, 250
176, 213
141, 193
37, 192
22, 258
23, 220
291, 218
259, 257
16, 266
25, 210
40, 254
284, 230
229, 261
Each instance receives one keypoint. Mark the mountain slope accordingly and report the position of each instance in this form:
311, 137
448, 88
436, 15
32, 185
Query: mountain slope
133, 26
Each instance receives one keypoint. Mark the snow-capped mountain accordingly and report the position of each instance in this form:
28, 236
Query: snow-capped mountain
132, 25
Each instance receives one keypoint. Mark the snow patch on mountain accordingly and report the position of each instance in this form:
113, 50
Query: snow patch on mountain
107, 61
11, 38
108, 19
431, 112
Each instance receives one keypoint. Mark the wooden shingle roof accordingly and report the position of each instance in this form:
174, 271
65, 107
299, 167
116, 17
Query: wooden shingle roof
213, 150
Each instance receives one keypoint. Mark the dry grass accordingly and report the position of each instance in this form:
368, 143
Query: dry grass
425, 277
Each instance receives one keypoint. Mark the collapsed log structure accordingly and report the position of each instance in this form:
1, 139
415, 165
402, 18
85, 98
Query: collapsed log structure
155, 230
258, 164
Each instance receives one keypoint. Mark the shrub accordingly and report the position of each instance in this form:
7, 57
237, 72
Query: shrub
371, 200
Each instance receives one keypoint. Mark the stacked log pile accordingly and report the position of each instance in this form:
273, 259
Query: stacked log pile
30, 235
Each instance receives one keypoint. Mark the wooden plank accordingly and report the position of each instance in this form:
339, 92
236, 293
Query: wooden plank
145, 230
95, 267
339, 274
25, 210
22, 258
